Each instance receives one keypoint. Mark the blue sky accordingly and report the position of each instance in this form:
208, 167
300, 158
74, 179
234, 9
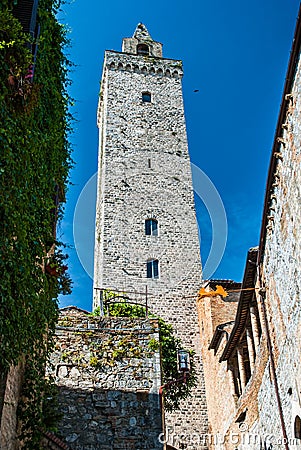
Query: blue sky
235, 53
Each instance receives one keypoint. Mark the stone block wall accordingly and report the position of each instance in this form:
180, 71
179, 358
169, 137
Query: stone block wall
144, 173
108, 374
221, 403
281, 270
255, 421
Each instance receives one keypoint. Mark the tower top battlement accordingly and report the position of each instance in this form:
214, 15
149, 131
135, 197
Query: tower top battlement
141, 43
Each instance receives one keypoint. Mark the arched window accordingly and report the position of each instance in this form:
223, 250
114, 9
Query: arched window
146, 97
142, 49
152, 268
297, 427
151, 227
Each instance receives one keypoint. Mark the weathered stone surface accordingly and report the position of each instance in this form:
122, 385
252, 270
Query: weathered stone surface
108, 400
254, 420
8, 431
144, 172
282, 262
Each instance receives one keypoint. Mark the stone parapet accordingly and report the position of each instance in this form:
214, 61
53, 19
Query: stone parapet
152, 65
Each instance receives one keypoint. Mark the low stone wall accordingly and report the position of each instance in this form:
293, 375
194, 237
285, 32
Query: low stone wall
108, 374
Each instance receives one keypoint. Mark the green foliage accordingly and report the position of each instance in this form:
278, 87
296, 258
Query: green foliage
93, 361
178, 391
153, 345
39, 408
119, 307
34, 165
169, 344
109, 351
95, 313
123, 309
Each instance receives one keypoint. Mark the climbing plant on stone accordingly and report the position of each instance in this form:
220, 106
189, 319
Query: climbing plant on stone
169, 345
34, 165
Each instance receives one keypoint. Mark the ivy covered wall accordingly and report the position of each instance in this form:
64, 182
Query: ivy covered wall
34, 165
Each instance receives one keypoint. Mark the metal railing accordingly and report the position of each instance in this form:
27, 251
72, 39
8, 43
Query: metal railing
109, 297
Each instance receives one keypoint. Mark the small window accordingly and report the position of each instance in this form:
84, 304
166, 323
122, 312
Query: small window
151, 227
146, 97
142, 49
297, 427
153, 268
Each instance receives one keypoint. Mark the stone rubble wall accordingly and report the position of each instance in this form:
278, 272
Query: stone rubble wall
108, 377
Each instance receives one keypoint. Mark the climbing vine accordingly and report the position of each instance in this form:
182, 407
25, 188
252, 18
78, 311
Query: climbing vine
34, 165
169, 345
174, 393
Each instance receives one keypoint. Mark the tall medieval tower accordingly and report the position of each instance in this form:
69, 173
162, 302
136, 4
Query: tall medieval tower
146, 230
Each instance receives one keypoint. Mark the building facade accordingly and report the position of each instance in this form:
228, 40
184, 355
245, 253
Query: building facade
256, 360
147, 243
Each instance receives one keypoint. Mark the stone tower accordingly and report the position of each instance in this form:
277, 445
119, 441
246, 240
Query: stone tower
146, 230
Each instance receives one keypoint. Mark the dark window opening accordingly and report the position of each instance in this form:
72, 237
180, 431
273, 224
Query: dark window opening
247, 363
234, 368
258, 320
146, 97
149, 163
153, 268
297, 427
151, 227
142, 49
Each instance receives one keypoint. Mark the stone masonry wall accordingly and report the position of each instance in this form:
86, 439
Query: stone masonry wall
134, 135
261, 424
233, 419
144, 172
214, 311
282, 262
255, 422
108, 375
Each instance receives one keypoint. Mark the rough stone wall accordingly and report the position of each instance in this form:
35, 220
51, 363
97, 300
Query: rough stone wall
8, 431
221, 403
261, 426
142, 36
108, 377
144, 172
282, 262
134, 135
226, 430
